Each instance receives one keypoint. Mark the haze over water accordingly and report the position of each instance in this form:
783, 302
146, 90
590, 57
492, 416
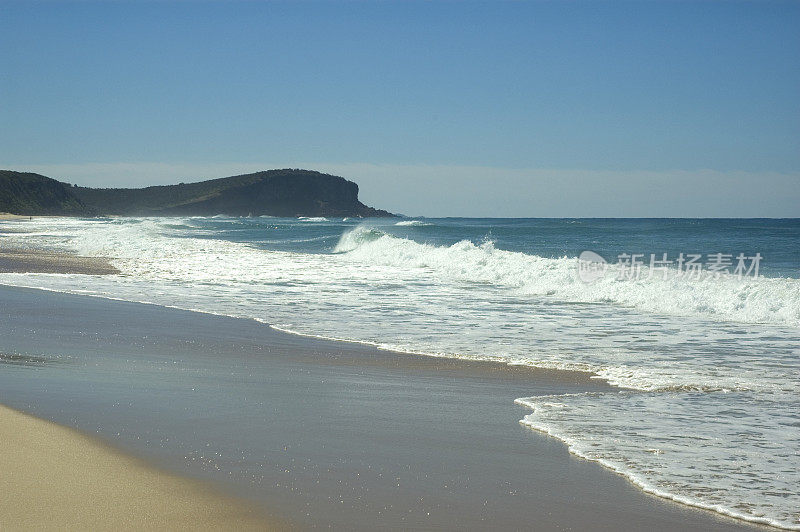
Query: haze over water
707, 407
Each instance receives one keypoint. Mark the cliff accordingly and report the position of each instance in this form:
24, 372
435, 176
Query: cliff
272, 192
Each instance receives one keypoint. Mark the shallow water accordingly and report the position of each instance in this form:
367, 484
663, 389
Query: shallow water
710, 414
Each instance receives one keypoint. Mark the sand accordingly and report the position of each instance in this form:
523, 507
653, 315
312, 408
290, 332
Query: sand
35, 261
52, 477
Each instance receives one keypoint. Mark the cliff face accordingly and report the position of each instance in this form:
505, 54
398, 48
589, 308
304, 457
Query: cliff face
33, 194
273, 193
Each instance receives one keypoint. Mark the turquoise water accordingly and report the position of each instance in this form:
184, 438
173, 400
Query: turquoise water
707, 365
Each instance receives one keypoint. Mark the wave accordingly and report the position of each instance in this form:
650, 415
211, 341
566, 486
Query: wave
312, 219
413, 223
750, 300
570, 419
299, 240
352, 240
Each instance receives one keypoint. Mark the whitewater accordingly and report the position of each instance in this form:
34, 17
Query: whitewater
707, 410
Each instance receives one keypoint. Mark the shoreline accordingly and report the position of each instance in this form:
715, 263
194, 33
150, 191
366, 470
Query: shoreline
326, 357
30, 260
647, 488
55, 478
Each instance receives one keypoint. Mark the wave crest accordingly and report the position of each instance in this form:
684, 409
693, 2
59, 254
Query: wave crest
761, 300
412, 223
353, 239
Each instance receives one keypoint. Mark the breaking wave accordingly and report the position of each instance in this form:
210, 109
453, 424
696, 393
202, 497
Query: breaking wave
749, 300
413, 223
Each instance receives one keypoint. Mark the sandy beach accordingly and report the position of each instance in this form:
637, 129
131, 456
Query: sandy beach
38, 261
328, 433
54, 478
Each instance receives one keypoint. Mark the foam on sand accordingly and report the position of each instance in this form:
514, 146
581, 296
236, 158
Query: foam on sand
688, 463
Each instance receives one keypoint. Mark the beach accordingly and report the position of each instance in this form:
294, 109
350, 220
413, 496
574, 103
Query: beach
54, 478
319, 433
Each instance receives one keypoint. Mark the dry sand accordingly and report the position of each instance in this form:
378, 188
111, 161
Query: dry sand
53, 478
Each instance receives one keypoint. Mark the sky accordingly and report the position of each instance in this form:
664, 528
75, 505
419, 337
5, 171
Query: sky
602, 108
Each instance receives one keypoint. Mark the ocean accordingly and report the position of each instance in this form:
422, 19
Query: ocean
696, 322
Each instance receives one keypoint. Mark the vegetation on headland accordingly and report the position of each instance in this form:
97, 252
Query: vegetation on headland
288, 192
33, 194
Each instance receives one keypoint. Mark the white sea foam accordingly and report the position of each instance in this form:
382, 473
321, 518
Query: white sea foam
413, 223
313, 219
652, 439
762, 300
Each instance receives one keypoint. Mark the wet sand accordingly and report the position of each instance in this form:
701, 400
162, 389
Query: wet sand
53, 478
37, 261
322, 433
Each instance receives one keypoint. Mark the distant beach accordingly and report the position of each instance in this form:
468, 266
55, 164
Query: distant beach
8, 216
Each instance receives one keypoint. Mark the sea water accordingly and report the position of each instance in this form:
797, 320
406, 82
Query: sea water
707, 409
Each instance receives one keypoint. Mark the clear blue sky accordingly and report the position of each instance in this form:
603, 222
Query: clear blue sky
392, 92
